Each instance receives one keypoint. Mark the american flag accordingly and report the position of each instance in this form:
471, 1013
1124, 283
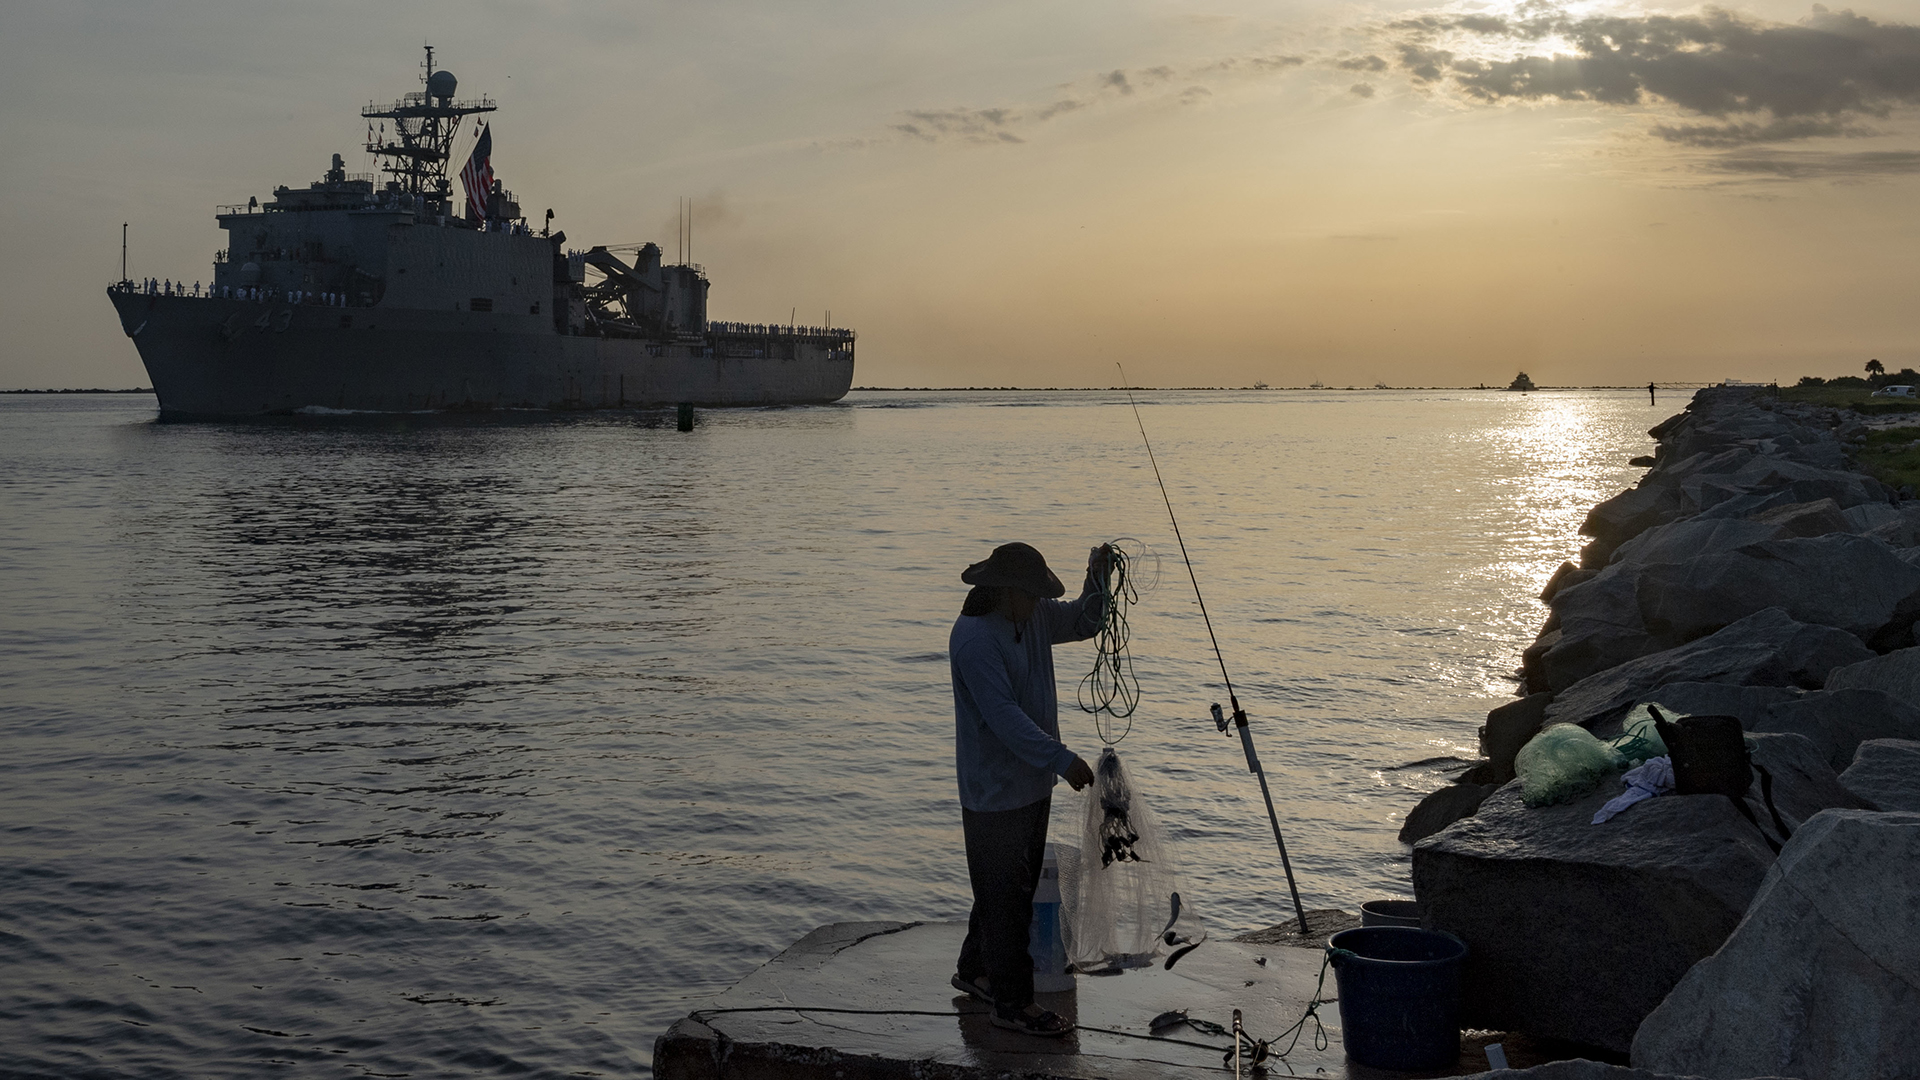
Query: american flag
477, 177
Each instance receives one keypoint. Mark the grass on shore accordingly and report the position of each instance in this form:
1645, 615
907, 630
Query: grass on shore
1892, 455
1858, 398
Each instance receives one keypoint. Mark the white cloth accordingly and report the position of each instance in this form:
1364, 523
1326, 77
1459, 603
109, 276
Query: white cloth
1654, 777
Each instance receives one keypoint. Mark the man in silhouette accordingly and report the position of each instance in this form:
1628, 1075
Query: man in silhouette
1008, 754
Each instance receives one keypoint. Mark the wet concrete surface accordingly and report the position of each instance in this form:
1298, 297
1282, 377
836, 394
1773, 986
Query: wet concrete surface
930, 1032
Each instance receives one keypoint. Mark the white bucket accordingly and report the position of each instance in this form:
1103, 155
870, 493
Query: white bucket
1046, 938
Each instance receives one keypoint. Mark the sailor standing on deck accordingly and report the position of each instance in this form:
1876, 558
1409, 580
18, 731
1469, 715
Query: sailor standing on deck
1008, 752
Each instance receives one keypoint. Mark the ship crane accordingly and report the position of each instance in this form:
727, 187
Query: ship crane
645, 299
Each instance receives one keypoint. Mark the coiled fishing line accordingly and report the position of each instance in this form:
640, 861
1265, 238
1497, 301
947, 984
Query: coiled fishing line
1112, 688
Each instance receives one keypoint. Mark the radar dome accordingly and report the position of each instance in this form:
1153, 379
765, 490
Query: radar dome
441, 84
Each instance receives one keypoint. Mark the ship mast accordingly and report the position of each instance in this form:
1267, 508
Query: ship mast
424, 125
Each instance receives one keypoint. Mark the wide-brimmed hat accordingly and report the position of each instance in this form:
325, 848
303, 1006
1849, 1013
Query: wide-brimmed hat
1016, 566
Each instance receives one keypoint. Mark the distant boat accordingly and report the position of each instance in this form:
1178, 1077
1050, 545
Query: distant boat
1521, 382
1259, 386
1316, 385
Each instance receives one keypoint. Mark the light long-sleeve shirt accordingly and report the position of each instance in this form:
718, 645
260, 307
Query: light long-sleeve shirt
1006, 716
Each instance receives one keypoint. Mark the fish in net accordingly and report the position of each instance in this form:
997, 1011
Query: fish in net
1121, 890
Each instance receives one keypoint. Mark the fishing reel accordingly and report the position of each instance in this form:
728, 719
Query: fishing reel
1246, 733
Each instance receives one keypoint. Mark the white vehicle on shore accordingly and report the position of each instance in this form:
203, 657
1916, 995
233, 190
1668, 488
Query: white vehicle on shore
1895, 392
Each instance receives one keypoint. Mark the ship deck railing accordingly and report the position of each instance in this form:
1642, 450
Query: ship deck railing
180, 290
769, 330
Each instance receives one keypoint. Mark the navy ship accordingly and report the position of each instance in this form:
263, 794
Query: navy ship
383, 292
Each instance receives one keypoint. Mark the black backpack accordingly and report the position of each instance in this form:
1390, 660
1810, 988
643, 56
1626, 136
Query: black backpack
1710, 757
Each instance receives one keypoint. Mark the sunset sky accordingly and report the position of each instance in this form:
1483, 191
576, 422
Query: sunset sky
1211, 192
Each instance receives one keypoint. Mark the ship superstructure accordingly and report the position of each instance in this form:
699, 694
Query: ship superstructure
390, 292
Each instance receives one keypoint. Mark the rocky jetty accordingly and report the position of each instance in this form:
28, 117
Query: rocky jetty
1750, 573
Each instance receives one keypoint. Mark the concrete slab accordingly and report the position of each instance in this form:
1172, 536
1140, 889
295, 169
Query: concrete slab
932, 1033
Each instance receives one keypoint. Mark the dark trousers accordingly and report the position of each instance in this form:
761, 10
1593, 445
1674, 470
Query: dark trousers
1004, 851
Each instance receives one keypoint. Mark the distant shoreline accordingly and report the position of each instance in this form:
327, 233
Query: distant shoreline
1343, 389
95, 390
1059, 389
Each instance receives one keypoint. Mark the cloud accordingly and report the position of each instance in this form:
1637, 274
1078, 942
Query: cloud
1361, 63
1424, 64
973, 125
1255, 64
1807, 80
1360, 89
1064, 105
1006, 123
1788, 165
1742, 133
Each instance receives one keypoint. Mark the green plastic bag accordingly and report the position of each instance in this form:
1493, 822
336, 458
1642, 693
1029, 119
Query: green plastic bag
1563, 762
1642, 740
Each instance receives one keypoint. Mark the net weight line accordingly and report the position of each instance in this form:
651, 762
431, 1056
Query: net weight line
1112, 687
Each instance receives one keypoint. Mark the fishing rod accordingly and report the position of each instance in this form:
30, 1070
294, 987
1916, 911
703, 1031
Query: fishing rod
1239, 714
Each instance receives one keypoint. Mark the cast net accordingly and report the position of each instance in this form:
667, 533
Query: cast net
1121, 891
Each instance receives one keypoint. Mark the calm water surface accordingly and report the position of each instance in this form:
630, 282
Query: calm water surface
414, 748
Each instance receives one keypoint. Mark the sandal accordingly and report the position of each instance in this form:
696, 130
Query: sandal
977, 989
1033, 1020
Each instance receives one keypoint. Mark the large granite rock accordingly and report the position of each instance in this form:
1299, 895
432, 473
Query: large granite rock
1768, 648
1683, 468
1900, 532
1838, 721
1533, 675
1671, 427
1567, 576
1870, 516
1576, 931
1803, 783
1629, 514
1442, 808
1897, 673
1749, 505
1508, 728
1822, 977
1749, 703
1599, 626
1839, 580
1772, 474
1886, 774
1692, 537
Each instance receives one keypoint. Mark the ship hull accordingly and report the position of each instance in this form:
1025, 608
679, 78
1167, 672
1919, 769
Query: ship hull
212, 358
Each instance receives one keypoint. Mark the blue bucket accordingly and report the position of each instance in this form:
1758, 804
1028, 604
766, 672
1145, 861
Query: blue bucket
1399, 995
